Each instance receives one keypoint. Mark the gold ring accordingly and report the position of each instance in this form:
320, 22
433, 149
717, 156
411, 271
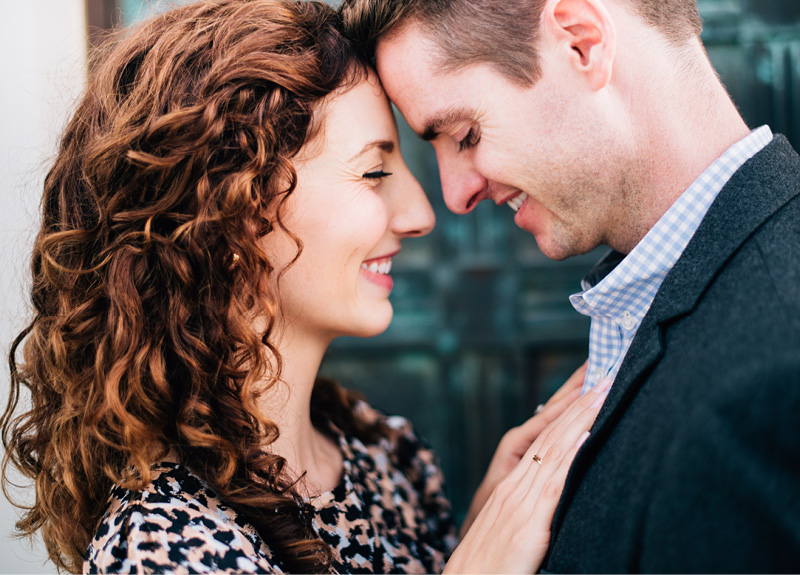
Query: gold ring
537, 459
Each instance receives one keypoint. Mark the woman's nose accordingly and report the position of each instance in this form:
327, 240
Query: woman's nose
412, 212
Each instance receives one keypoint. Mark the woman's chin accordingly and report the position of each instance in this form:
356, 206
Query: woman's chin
375, 323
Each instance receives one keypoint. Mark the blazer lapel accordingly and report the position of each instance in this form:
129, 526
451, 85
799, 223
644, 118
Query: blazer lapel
756, 191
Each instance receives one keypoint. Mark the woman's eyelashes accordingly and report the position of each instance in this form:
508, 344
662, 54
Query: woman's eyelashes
376, 175
470, 140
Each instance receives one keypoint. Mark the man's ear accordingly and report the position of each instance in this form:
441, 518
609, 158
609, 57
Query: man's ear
585, 31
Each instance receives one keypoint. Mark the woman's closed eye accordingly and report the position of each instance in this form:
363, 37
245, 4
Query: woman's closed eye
376, 175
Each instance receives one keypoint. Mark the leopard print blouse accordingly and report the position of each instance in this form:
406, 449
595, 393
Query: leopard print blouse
387, 515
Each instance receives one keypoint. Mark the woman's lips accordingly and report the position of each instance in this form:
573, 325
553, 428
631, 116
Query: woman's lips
377, 271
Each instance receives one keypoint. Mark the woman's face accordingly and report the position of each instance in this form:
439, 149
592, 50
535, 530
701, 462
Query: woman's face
354, 203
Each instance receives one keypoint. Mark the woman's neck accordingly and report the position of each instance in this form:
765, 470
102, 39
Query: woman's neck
288, 404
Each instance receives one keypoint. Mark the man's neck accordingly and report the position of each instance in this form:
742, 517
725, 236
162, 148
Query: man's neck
683, 121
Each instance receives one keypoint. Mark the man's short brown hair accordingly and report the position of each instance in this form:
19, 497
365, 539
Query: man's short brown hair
498, 32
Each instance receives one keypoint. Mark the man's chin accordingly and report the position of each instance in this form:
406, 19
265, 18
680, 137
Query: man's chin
559, 248
538, 222
555, 254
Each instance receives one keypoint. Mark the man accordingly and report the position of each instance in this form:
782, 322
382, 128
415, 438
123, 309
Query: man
602, 122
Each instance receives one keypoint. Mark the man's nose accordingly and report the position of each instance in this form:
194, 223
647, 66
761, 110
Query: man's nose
463, 186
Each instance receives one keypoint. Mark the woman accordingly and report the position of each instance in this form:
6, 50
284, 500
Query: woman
226, 200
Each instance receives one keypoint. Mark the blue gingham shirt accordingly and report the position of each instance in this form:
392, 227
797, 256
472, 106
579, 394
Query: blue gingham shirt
619, 302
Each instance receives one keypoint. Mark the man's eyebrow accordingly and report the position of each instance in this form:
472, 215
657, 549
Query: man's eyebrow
442, 120
384, 145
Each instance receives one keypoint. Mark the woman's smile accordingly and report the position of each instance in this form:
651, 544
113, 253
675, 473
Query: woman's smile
377, 271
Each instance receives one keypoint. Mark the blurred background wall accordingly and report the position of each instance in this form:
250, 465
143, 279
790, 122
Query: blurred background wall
483, 331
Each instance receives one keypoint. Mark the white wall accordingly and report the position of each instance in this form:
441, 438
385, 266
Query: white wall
42, 71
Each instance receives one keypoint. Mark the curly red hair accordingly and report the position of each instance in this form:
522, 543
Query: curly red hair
177, 158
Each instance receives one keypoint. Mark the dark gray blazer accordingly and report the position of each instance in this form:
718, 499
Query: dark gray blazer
694, 462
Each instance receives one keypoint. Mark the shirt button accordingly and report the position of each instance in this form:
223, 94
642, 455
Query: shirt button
598, 372
627, 321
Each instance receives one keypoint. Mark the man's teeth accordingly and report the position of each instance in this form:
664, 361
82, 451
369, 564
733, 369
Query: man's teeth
516, 202
378, 266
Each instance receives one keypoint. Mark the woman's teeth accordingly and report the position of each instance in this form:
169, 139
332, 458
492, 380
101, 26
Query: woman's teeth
516, 202
383, 266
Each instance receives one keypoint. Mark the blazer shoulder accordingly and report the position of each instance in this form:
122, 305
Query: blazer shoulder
778, 243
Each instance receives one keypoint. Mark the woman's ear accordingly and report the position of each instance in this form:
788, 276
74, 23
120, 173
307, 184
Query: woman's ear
584, 32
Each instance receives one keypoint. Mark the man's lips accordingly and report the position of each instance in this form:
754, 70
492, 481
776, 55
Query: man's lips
515, 202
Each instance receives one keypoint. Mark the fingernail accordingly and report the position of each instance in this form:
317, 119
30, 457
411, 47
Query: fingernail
604, 385
598, 401
582, 439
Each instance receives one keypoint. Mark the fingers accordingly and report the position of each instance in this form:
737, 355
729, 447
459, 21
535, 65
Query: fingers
581, 414
527, 503
555, 406
549, 485
555, 442
561, 435
523, 505
560, 424
530, 430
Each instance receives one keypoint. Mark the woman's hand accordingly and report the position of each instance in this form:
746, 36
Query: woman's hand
517, 440
511, 534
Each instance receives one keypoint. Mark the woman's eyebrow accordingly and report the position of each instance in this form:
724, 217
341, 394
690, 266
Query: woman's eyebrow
385, 145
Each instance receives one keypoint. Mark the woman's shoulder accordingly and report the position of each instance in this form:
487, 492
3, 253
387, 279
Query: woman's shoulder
404, 475
405, 448
397, 430
177, 523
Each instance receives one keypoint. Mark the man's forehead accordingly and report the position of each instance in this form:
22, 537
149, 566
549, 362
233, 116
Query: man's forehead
408, 65
406, 50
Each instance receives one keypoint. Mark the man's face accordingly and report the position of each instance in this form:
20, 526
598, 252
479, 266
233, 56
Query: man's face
554, 144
